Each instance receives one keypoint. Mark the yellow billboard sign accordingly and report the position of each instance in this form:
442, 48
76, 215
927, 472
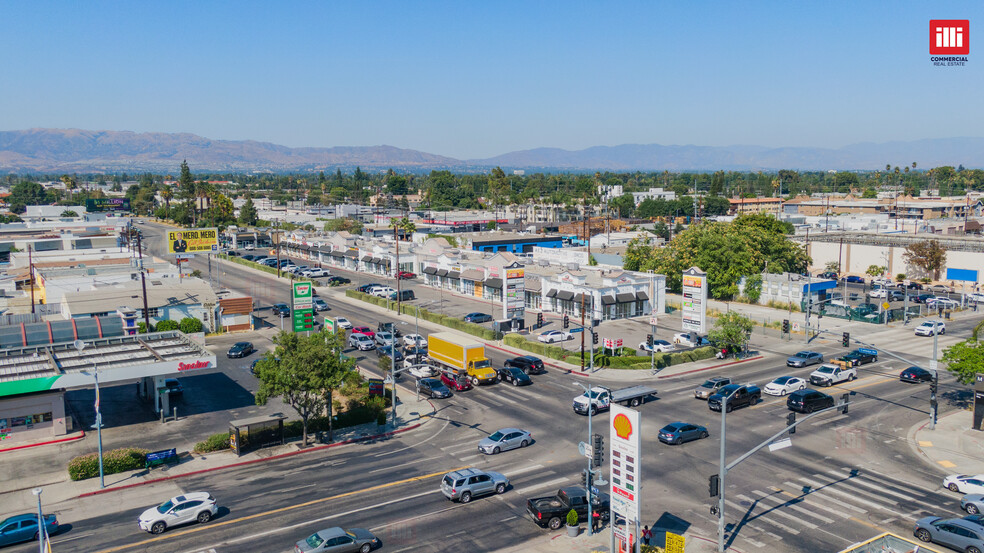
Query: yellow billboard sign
193, 240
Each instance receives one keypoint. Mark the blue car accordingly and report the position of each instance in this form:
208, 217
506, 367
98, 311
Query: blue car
20, 528
854, 279
478, 318
680, 432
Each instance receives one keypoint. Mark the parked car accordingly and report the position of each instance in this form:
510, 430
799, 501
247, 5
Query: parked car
361, 342
342, 322
942, 301
504, 439
366, 288
940, 289
690, 340
402, 295
248, 247
248, 257
784, 385
478, 318
405, 275
896, 295
910, 286
315, 272
20, 528
915, 375
334, 540
240, 349
928, 328
528, 363
462, 485
335, 280
681, 432
975, 298
659, 346
964, 483
281, 309
190, 507
433, 388
174, 387
957, 533
804, 358
382, 291
879, 293
364, 330
552, 336
514, 376
415, 340
320, 305
921, 298
830, 275
808, 401
456, 382
853, 279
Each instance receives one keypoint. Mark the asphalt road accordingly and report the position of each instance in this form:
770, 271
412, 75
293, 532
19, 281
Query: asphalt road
845, 478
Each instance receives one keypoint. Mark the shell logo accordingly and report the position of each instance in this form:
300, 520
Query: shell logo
622, 426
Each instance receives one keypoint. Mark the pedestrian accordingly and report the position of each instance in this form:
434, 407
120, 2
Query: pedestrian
595, 521
647, 536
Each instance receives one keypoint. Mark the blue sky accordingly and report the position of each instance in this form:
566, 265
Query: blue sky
477, 79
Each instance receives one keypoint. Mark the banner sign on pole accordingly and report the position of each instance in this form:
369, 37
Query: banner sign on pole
695, 300
625, 467
192, 240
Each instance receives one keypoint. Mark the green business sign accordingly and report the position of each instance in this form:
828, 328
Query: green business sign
302, 310
331, 325
303, 320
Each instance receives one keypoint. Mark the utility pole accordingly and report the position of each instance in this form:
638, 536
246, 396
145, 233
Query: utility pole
396, 272
936, 378
587, 475
722, 469
393, 371
30, 267
582, 332
143, 284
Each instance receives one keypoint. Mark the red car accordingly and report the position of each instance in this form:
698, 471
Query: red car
364, 330
455, 382
405, 275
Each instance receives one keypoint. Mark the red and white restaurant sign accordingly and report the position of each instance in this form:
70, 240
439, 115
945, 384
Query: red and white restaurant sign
613, 343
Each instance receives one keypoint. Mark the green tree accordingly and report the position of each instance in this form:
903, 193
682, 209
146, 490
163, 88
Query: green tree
624, 205
732, 330
832, 267
27, 193
876, 270
928, 255
753, 288
303, 371
167, 324
964, 360
247, 213
869, 193
190, 325
660, 229
343, 224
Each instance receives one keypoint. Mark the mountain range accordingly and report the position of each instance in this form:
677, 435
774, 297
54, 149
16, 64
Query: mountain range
75, 150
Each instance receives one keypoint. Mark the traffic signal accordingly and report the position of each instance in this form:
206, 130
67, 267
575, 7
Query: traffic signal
567, 322
539, 320
712, 485
584, 479
597, 451
785, 326
594, 337
934, 385
846, 398
846, 339
649, 341
790, 421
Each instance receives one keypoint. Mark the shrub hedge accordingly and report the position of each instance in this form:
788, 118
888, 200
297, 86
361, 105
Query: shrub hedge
114, 461
631, 362
443, 320
215, 442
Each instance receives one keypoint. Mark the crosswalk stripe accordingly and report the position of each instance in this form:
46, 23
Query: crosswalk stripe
815, 501
488, 400
827, 488
776, 511
527, 468
502, 397
937, 493
816, 494
859, 480
785, 503
522, 491
777, 524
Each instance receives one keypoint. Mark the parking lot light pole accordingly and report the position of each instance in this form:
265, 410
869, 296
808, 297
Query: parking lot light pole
393, 370
42, 533
722, 469
588, 474
80, 345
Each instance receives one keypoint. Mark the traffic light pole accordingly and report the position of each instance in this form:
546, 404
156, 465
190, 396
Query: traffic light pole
587, 476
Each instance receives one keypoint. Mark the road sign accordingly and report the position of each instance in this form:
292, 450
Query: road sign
868, 351
652, 321
675, 543
576, 330
796, 327
780, 444
933, 365
885, 305
585, 449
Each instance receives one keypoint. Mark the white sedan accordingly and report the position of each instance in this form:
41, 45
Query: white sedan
941, 301
879, 293
414, 341
552, 336
964, 483
659, 346
784, 385
342, 322
422, 371
314, 273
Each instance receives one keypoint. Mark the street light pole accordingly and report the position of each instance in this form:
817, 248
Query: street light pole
393, 370
722, 470
80, 345
588, 474
936, 378
41, 527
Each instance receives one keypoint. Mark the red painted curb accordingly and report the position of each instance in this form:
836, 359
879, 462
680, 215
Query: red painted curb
713, 367
251, 462
62, 440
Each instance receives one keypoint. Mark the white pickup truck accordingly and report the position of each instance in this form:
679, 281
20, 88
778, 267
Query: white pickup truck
828, 375
602, 398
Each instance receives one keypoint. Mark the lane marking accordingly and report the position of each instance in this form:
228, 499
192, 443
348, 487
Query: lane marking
946, 464
388, 467
280, 510
554, 482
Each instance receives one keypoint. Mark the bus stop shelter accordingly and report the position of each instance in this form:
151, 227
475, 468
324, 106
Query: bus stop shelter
250, 434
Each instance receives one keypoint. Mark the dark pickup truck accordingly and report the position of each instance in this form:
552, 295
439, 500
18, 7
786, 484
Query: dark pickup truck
744, 395
551, 512
389, 327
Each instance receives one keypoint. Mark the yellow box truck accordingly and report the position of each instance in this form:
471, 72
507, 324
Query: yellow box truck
462, 356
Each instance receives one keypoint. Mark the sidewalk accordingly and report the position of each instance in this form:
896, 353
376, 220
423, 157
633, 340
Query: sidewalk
601, 542
953, 446
58, 488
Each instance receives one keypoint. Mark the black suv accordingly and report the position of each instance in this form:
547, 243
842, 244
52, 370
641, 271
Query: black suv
858, 357
528, 363
281, 309
514, 375
808, 401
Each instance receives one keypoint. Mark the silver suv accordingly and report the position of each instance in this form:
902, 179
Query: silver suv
462, 485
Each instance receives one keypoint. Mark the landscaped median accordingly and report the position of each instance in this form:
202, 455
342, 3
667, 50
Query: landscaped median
444, 320
631, 362
264, 268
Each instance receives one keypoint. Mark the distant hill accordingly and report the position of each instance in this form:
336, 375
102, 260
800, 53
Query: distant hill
73, 150
68, 150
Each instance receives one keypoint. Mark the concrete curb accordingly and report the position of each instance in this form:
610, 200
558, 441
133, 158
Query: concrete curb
728, 364
252, 461
48, 442
914, 444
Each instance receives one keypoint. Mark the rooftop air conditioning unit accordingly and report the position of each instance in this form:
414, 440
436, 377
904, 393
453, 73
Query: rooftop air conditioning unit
544, 263
573, 267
